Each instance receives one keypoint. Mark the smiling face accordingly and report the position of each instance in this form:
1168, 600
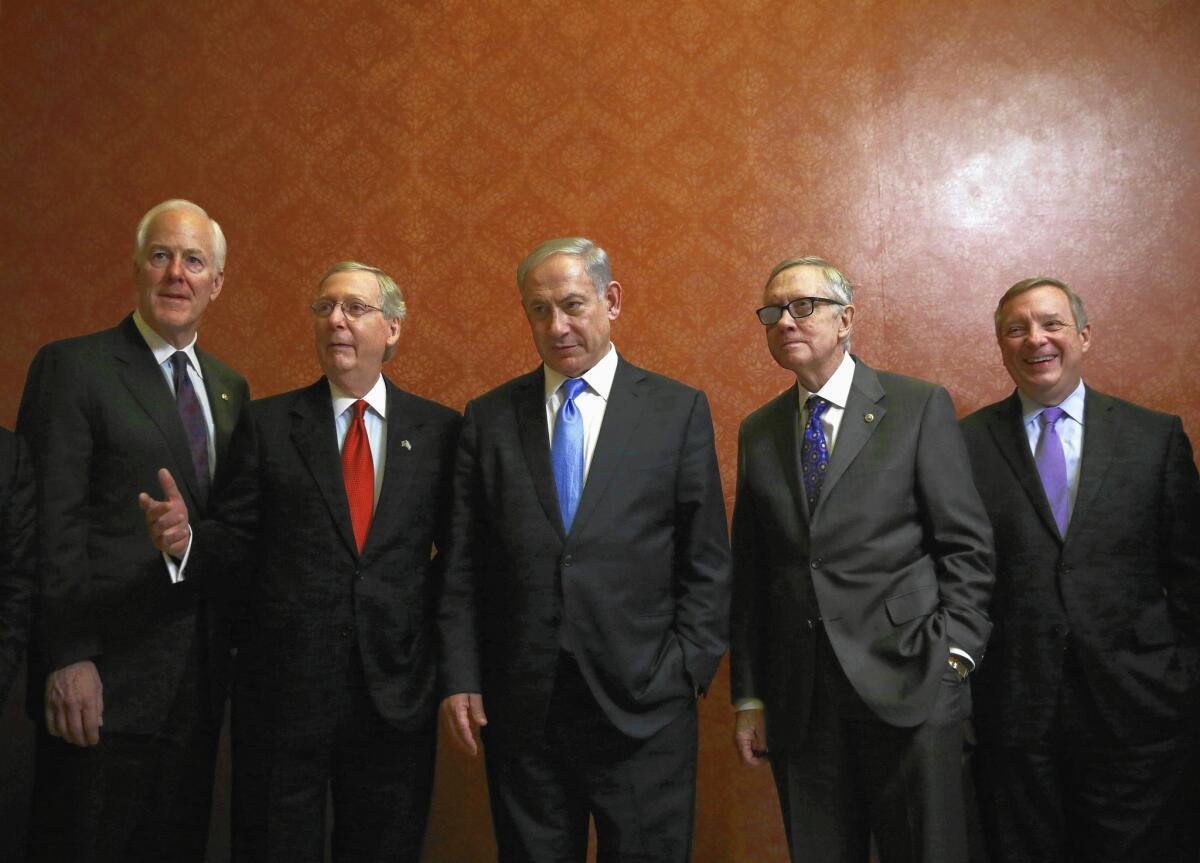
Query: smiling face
570, 323
175, 274
351, 351
1041, 346
809, 347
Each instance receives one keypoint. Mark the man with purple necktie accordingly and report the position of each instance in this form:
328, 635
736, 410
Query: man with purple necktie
1086, 707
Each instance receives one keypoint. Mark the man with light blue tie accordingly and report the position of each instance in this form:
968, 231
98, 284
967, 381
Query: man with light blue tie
587, 582
1086, 706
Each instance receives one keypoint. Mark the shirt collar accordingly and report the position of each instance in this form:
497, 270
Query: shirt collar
599, 377
1072, 405
837, 389
164, 350
376, 398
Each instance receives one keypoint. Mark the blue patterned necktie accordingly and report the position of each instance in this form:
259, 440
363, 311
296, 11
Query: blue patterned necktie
566, 451
1052, 468
814, 453
192, 416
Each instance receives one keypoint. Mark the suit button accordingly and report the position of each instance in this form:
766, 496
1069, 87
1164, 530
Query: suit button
358, 574
345, 632
567, 561
816, 564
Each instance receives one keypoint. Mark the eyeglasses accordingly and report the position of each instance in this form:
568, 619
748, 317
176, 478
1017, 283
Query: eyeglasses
801, 307
353, 309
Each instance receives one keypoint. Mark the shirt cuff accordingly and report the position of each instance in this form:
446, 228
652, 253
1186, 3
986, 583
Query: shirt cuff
747, 704
175, 568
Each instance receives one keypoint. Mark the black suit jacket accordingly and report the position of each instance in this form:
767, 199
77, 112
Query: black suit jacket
895, 562
281, 511
641, 582
1122, 588
16, 554
100, 420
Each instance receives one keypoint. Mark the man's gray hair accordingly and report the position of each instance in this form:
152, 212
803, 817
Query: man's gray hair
218, 236
839, 286
391, 300
594, 258
1077, 310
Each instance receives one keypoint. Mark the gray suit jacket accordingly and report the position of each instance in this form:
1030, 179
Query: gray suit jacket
1122, 589
895, 562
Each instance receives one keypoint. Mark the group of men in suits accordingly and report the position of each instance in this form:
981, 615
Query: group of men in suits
553, 569
878, 552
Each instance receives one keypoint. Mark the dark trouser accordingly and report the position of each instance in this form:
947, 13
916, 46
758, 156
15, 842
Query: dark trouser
1081, 796
284, 764
640, 793
854, 775
132, 797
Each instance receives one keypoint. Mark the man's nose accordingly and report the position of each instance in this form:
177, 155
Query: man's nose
175, 268
558, 322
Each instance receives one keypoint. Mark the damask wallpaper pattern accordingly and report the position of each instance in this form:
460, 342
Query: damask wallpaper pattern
937, 151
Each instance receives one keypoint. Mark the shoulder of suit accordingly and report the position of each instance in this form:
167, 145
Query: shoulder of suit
98, 341
421, 406
212, 364
895, 383
657, 380
981, 416
783, 404
503, 393
1129, 410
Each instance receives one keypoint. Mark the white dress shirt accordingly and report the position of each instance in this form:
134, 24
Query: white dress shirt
591, 402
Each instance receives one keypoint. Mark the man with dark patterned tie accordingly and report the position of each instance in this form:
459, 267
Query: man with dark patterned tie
334, 505
862, 571
1086, 707
586, 594
128, 671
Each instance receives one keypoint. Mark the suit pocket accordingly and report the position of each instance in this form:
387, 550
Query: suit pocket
904, 607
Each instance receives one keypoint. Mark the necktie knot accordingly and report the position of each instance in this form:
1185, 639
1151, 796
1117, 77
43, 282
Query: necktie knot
572, 387
1052, 415
360, 408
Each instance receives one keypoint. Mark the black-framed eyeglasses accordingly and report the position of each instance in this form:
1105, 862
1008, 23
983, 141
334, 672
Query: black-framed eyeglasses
352, 309
801, 307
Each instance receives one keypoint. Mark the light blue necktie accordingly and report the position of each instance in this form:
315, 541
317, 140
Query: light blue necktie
566, 451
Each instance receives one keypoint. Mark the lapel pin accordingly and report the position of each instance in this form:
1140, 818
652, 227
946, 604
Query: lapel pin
224, 397
869, 418
404, 443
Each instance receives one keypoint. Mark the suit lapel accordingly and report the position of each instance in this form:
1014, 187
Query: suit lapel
398, 469
224, 413
529, 404
1008, 429
145, 381
315, 438
1099, 433
864, 411
626, 402
786, 435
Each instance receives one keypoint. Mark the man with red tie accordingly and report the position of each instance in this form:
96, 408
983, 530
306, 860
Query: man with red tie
335, 500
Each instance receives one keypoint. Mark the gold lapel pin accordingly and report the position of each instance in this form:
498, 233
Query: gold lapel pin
869, 418
406, 445
224, 397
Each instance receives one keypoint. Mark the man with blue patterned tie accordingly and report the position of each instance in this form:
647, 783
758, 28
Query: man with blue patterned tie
1086, 707
586, 594
862, 573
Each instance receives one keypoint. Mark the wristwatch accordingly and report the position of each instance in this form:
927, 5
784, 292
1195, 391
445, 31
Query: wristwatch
960, 665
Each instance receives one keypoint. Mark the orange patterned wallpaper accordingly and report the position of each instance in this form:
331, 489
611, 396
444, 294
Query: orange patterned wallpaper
937, 151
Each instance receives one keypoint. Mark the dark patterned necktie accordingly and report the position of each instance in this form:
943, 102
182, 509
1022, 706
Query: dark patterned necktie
358, 472
814, 453
1052, 468
566, 451
192, 415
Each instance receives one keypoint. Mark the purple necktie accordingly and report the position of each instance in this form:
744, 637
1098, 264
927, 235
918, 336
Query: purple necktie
814, 453
192, 416
1052, 468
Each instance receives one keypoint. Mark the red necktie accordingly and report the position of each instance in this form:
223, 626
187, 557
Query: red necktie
359, 473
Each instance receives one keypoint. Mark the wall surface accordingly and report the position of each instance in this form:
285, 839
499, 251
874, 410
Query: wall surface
937, 151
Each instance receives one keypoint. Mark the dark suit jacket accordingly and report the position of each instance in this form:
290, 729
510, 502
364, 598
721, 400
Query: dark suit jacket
16, 554
100, 420
896, 559
641, 582
280, 506
1123, 587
